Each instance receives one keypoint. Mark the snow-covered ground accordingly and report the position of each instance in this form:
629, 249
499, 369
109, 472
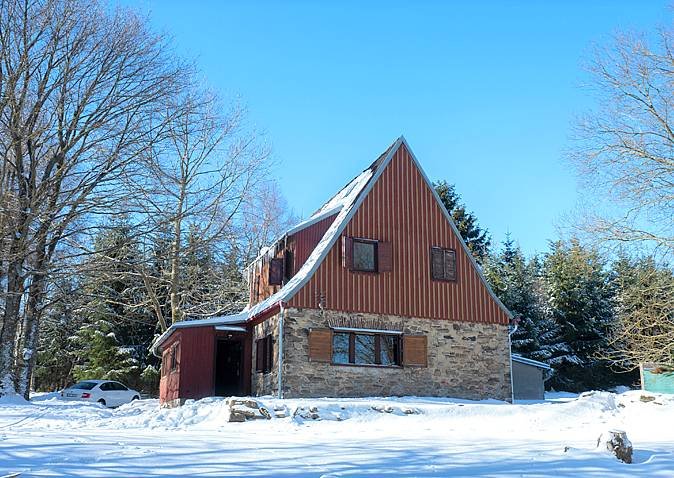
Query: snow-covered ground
353, 437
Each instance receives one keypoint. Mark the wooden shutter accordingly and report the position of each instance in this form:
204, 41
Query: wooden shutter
347, 252
437, 263
276, 271
289, 265
259, 355
269, 353
320, 345
450, 264
415, 350
385, 256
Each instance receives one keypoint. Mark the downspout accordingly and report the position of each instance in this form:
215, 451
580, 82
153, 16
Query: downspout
280, 349
510, 347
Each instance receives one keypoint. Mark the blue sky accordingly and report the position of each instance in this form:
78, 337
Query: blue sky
484, 92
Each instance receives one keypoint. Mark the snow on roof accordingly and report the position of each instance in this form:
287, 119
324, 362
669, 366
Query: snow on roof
344, 204
528, 361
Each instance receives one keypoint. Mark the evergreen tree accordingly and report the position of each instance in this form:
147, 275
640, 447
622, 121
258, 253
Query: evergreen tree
516, 282
55, 354
118, 326
579, 305
476, 238
101, 356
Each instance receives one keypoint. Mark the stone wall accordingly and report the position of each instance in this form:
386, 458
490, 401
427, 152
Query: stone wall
465, 360
265, 383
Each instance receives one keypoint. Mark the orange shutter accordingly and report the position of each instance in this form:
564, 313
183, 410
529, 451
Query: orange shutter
415, 350
320, 345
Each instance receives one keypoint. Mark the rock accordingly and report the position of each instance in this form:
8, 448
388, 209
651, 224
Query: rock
236, 416
646, 398
616, 442
246, 402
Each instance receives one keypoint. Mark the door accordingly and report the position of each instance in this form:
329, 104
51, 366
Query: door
229, 368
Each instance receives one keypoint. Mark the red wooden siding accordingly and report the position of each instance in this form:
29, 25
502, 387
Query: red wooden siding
197, 354
195, 375
401, 209
302, 243
305, 241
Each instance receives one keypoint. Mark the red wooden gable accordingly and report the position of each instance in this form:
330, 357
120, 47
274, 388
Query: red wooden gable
401, 209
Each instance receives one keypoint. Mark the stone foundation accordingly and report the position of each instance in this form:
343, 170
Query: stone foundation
465, 360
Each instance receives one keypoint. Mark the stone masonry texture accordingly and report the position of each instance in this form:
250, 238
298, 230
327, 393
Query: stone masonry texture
465, 360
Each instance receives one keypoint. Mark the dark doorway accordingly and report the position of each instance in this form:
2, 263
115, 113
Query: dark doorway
229, 368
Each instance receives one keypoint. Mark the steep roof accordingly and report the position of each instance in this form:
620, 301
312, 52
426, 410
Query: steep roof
341, 204
345, 203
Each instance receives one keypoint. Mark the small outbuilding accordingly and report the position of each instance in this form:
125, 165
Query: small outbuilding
529, 378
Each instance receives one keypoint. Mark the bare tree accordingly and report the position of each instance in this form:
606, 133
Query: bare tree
197, 179
625, 149
81, 88
644, 326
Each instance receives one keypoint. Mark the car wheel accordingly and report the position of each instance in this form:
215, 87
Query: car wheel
102, 402
135, 397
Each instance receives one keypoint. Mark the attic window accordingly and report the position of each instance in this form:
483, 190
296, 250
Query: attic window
364, 255
276, 271
443, 264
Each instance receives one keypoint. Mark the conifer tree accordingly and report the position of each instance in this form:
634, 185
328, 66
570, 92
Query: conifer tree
476, 238
516, 282
579, 305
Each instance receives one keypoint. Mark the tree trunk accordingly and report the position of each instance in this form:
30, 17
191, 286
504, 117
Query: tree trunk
28, 349
9, 328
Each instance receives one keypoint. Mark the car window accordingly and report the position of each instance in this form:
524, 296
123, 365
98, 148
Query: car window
106, 386
118, 386
84, 385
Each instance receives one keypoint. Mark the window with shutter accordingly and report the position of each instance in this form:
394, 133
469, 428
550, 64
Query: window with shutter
365, 348
276, 271
443, 264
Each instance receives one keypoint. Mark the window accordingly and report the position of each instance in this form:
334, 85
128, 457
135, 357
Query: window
276, 271
118, 386
173, 359
364, 255
443, 264
264, 354
106, 387
366, 349
84, 386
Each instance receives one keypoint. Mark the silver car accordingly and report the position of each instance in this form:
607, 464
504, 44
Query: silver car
106, 392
